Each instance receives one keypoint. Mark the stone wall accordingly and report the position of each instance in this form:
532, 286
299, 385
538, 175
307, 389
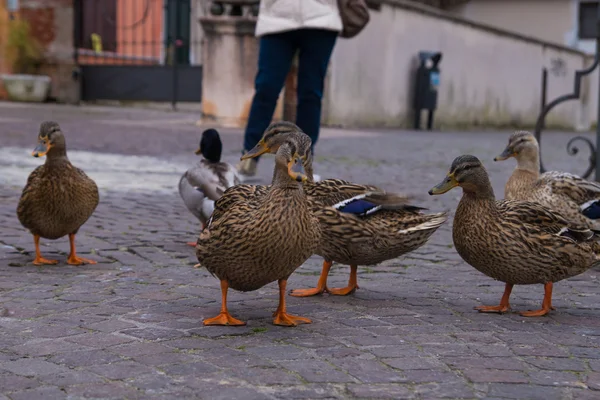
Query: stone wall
489, 77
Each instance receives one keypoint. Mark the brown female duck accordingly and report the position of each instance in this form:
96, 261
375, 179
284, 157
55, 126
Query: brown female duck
575, 198
259, 239
516, 242
384, 227
58, 197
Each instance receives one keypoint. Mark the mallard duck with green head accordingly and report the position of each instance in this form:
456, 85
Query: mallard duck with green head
204, 183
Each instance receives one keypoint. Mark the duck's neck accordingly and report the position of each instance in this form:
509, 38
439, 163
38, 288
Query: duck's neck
57, 156
282, 180
480, 191
529, 160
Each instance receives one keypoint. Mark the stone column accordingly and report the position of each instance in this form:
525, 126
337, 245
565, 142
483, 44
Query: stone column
229, 63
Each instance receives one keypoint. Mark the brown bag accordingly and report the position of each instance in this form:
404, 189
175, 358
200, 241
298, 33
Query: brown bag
355, 15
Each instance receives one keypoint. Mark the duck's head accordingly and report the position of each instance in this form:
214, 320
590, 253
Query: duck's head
521, 144
291, 157
275, 135
210, 145
51, 140
467, 172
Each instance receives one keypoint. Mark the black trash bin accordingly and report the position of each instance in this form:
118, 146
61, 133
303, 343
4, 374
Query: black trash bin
427, 81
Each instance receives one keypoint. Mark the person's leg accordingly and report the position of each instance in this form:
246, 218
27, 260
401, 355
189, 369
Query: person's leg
316, 46
274, 59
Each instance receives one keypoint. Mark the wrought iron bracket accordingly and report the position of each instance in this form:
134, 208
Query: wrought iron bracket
572, 149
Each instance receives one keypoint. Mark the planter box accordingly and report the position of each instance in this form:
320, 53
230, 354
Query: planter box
30, 88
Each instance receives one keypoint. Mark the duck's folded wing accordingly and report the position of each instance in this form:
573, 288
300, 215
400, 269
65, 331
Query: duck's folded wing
533, 218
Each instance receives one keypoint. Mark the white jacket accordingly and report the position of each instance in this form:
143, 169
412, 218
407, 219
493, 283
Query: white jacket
286, 15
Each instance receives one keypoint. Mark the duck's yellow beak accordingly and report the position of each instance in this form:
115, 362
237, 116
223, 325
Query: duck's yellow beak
199, 151
260, 148
506, 154
296, 169
41, 149
448, 183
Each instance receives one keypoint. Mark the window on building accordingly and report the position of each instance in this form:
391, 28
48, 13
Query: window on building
588, 19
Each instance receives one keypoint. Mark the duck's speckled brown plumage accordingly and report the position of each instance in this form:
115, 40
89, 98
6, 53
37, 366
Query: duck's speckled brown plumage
58, 197
516, 242
369, 239
560, 191
259, 239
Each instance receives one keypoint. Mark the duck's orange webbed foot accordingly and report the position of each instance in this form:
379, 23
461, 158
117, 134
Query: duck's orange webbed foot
224, 318
321, 285
500, 309
309, 292
345, 291
352, 284
285, 319
546, 303
76, 260
504, 305
193, 244
281, 316
73, 258
537, 313
39, 260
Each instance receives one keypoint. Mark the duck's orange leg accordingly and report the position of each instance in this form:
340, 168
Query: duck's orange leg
281, 315
504, 304
321, 285
224, 318
39, 260
74, 259
546, 303
352, 284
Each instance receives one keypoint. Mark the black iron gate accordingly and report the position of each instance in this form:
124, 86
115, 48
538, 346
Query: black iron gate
137, 50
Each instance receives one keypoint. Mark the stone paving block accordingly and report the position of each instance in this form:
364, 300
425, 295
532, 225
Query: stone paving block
555, 378
98, 340
593, 380
316, 371
494, 375
120, 370
386, 391
10, 382
267, 376
41, 393
72, 377
557, 363
521, 391
108, 390
193, 368
85, 358
310, 391
369, 371
32, 367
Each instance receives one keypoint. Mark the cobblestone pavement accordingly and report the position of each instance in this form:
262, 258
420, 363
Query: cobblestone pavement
131, 326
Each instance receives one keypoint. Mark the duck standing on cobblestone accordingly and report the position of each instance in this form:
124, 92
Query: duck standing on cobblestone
258, 239
58, 197
515, 242
204, 183
575, 198
387, 227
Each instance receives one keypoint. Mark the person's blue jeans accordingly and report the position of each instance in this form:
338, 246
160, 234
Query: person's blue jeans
274, 60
